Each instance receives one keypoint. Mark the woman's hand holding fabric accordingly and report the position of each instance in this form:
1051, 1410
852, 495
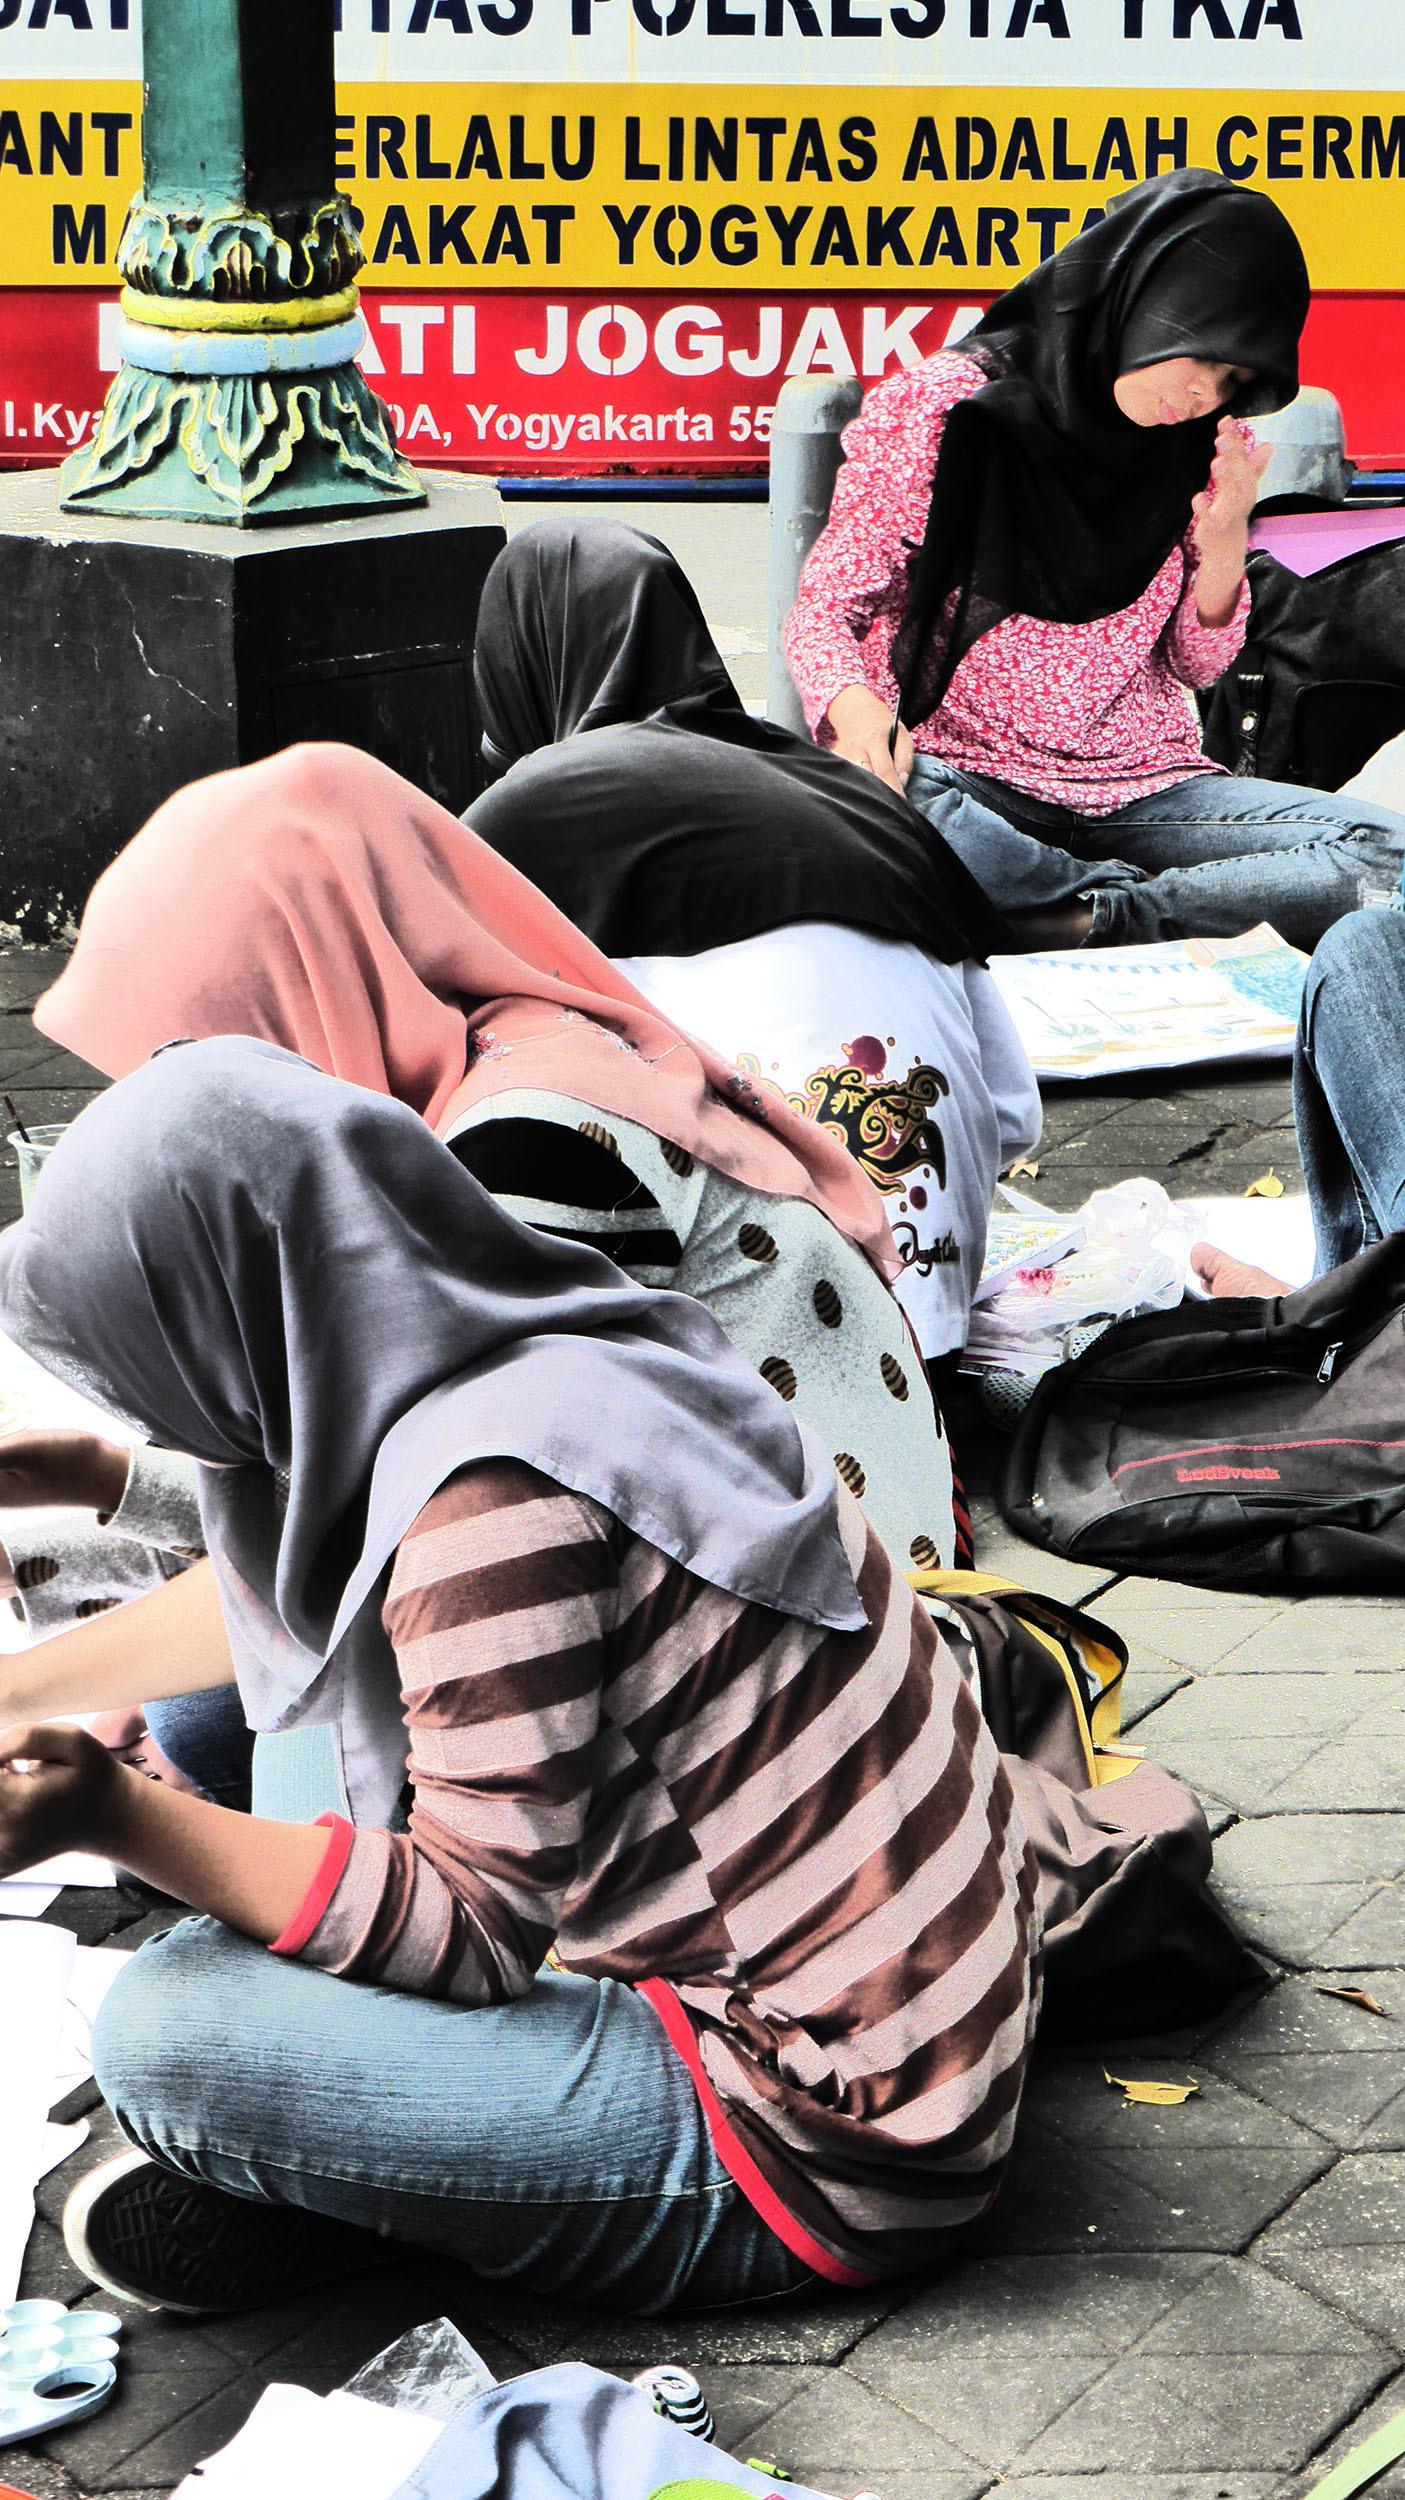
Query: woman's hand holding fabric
863, 724
1220, 521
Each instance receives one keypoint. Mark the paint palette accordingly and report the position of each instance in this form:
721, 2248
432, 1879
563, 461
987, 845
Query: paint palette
57, 2366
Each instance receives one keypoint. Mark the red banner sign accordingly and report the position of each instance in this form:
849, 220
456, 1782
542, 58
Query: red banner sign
645, 383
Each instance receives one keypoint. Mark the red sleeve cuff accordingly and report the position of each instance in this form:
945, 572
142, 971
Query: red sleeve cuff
311, 1910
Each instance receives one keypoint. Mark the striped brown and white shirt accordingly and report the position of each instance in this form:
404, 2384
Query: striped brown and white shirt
799, 1844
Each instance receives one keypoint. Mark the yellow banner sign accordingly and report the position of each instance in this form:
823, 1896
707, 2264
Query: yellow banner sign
700, 186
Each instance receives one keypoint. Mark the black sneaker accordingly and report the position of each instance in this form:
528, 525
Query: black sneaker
145, 2235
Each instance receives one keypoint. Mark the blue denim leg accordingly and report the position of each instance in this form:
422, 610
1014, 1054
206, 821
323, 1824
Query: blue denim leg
1349, 1084
1221, 854
556, 2142
1014, 845
207, 1737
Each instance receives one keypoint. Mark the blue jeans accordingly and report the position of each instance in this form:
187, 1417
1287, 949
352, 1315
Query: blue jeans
1208, 858
1349, 1084
208, 1738
556, 2143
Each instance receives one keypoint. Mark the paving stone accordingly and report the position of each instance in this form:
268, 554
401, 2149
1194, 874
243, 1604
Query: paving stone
1374, 1934
818, 2331
104, 2138
1236, 2306
43, 2479
1359, 2203
31, 1056
1310, 1710
1365, 2284
1245, 1772
1149, 1681
1323, 1636
1295, 1880
1386, 2133
1149, 2487
150, 2408
978, 2355
1355, 1775
1092, 2170
999, 1550
1338, 2097
837, 2431
48, 2272
743, 2398
1388, 2402
1161, 2413
379, 2307
1300, 2014
1288, 1757
1072, 2101
1147, 2198
24, 972
1192, 1627
49, 1104
171, 2451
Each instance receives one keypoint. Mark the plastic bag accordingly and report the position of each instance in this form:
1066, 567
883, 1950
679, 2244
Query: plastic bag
1133, 1259
432, 2370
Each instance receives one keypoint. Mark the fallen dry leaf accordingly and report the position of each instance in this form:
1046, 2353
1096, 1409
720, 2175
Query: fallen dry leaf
1153, 2095
1268, 1185
1355, 1996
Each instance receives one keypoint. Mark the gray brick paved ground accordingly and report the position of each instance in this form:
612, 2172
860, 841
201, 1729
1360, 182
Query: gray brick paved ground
1203, 2303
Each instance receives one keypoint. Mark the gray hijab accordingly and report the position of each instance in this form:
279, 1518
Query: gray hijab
295, 1282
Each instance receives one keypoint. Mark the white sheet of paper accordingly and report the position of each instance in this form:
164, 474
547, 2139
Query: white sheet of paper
59, 2142
72, 1866
36, 1966
19, 1899
95, 1966
24, 1896
295, 2443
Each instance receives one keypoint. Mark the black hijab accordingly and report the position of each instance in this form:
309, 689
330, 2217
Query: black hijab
642, 797
1047, 501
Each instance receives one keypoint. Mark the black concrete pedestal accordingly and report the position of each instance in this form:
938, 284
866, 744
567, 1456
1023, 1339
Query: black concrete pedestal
135, 656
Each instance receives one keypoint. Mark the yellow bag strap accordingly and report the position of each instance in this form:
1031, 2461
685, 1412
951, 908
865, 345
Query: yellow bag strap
1098, 1729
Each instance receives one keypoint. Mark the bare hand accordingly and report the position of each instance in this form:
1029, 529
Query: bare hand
78, 1468
56, 1786
863, 724
1220, 515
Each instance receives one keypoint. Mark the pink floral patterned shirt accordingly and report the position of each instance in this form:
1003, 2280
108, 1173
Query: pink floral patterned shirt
1089, 716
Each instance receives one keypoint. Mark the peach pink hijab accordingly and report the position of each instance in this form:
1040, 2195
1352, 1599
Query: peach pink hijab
318, 901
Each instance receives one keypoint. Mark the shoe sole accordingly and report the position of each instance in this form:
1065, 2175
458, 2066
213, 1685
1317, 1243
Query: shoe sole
146, 2236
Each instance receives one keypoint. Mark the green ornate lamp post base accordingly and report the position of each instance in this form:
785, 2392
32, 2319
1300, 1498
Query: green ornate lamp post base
238, 398
242, 448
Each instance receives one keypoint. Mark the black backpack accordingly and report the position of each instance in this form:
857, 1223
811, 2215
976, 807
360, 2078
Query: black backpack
1320, 681
1249, 1445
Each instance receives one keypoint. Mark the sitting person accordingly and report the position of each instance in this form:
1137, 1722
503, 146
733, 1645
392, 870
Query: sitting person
540, 1552
759, 892
541, 1559
1076, 483
318, 901
1349, 1120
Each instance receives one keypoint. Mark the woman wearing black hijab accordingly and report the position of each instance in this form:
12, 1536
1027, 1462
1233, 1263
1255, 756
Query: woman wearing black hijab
1036, 546
767, 896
